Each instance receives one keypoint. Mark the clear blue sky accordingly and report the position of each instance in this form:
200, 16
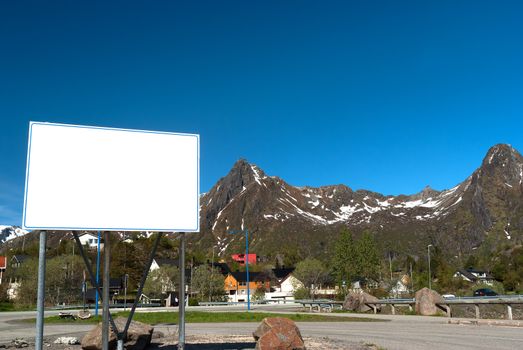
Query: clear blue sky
388, 96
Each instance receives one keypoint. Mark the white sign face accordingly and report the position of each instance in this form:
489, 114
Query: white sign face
93, 178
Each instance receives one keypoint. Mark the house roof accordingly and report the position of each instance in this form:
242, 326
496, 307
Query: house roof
469, 273
242, 276
167, 262
20, 258
3, 262
281, 274
223, 267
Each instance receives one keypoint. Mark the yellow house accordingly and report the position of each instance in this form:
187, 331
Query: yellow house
236, 285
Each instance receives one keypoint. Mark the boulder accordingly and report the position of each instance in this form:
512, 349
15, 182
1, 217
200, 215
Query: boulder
355, 301
426, 300
138, 336
278, 333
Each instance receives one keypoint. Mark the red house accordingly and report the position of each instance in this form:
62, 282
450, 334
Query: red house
240, 258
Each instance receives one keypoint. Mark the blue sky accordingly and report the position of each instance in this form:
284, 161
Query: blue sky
382, 95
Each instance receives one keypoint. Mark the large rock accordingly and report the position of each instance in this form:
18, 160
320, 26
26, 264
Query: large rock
138, 336
278, 333
426, 300
356, 301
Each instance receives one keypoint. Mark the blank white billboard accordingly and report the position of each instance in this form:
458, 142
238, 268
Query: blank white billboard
94, 178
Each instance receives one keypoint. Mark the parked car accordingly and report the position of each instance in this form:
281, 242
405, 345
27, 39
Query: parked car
448, 296
484, 292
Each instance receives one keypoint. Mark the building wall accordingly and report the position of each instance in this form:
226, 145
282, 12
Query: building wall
290, 284
239, 290
90, 240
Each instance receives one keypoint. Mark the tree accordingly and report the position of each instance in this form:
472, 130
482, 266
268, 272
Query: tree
161, 280
208, 283
344, 259
367, 256
311, 272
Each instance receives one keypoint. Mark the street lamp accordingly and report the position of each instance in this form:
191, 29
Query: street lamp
430, 276
246, 263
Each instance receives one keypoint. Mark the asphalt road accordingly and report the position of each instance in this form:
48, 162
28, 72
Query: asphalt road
399, 332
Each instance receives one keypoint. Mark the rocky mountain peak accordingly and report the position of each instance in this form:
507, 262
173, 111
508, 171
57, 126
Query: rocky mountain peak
502, 154
505, 163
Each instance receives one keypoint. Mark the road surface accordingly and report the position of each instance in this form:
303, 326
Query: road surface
397, 333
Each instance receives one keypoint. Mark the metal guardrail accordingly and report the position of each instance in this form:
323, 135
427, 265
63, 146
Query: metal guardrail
112, 306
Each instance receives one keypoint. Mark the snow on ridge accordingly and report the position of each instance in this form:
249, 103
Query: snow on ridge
370, 209
256, 172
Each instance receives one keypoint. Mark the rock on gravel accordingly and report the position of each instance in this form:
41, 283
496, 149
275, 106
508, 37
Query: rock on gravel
138, 336
278, 333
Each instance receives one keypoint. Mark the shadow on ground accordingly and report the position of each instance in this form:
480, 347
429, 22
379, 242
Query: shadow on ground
207, 346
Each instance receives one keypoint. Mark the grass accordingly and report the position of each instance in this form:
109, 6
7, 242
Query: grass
5, 306
209, 317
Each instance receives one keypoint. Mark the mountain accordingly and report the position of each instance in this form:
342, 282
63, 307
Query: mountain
8, 233
485, 209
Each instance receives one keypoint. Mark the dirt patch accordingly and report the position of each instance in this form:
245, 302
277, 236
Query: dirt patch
207, 342
236, 342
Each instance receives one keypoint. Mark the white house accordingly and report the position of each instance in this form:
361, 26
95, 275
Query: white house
285, 287
89, 239
475, 276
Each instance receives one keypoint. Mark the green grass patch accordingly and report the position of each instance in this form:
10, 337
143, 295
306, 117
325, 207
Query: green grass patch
5, 306
209, 317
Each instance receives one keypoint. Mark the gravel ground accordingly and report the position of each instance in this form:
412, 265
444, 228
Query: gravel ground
204, 342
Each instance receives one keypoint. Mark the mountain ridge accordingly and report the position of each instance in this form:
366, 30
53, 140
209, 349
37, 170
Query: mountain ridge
247, 197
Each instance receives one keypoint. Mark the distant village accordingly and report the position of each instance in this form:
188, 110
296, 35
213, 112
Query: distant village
209, 281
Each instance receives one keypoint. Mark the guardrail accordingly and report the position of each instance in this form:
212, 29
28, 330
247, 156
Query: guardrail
446, 306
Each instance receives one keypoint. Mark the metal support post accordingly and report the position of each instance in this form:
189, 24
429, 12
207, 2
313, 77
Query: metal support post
41, 292
509, 312
97, 272
247, 268
94, 282
146, 269
476, 306
105, 298
181, 295
393, 309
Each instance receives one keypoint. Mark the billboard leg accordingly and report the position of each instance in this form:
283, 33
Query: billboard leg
41, 293
105, 298
147, 267
181, 295
94, 281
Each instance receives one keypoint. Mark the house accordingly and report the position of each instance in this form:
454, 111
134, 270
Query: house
159, 262
90, 239
17, 261
285, 285
475, 276
401, 287
240, 258
236, 285
116, 286
359, 283
3, 266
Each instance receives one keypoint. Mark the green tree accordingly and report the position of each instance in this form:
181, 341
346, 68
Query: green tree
368, 259
311, 272
208, 283
344, 259
162, 280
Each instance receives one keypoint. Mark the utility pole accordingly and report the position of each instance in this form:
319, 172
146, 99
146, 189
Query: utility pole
430, 275
212, 275
246, 264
